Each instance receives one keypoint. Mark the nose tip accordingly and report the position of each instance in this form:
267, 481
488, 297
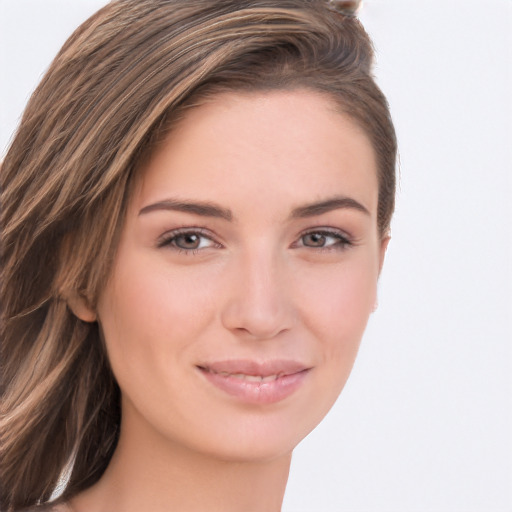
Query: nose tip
255, 323
259, 306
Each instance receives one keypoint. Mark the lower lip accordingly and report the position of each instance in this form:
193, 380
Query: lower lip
257, 392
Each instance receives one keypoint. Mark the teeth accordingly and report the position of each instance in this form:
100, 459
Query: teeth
250, 378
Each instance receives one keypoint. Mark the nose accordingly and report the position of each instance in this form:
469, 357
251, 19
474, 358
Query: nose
259, 304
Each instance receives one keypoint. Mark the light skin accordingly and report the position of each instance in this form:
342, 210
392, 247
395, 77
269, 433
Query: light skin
251, 235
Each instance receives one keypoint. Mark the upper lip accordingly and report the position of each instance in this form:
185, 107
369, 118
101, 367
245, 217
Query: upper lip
256, 368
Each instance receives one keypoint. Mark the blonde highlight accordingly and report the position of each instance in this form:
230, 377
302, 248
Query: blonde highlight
123, 78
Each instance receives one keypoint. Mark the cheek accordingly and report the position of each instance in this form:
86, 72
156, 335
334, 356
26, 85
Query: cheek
150, 318
335, 305
337, 309
151, 298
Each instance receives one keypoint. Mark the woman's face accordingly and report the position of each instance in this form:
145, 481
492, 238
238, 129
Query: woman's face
245, 275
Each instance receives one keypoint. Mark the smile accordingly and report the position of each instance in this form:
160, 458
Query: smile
256, 383
250, 378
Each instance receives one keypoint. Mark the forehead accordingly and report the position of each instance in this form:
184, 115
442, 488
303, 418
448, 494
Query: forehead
281, 146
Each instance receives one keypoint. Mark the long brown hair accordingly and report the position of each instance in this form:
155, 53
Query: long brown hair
118, 83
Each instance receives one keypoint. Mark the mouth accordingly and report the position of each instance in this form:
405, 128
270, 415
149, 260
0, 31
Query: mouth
249, 378
256, 383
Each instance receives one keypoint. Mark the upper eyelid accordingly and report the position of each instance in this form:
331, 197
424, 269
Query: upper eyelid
206, 233
173, 233
324, 230
343, 239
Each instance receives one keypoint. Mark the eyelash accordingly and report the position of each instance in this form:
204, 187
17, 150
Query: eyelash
342, 240
169, 239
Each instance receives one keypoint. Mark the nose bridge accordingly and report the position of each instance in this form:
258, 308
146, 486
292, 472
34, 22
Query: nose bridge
259, 304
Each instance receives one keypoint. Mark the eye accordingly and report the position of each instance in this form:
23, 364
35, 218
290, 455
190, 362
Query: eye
190, 240
324, 239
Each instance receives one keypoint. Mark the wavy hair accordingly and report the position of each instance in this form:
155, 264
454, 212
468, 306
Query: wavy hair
120, 82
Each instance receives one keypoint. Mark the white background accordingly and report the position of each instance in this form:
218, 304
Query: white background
425, 421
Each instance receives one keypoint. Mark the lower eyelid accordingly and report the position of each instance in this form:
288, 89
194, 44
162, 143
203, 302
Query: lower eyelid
167, 238
343, 239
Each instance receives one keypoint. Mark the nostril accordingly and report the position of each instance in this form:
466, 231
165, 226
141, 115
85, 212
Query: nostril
258, 303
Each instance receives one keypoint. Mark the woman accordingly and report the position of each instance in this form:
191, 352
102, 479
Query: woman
195, 211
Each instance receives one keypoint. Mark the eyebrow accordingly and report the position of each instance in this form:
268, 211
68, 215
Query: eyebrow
204, 209
334, 203
208, 209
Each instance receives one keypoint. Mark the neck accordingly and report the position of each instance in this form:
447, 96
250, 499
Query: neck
146, 474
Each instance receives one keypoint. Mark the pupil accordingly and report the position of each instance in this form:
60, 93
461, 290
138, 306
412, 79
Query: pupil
189, 241
315, 239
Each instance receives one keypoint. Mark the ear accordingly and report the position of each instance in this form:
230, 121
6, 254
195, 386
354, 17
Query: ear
382, 253
80, 307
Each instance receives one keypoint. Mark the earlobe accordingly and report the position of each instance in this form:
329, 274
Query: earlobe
80, 307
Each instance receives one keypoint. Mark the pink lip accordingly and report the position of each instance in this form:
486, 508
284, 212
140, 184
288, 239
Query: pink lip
256, 383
